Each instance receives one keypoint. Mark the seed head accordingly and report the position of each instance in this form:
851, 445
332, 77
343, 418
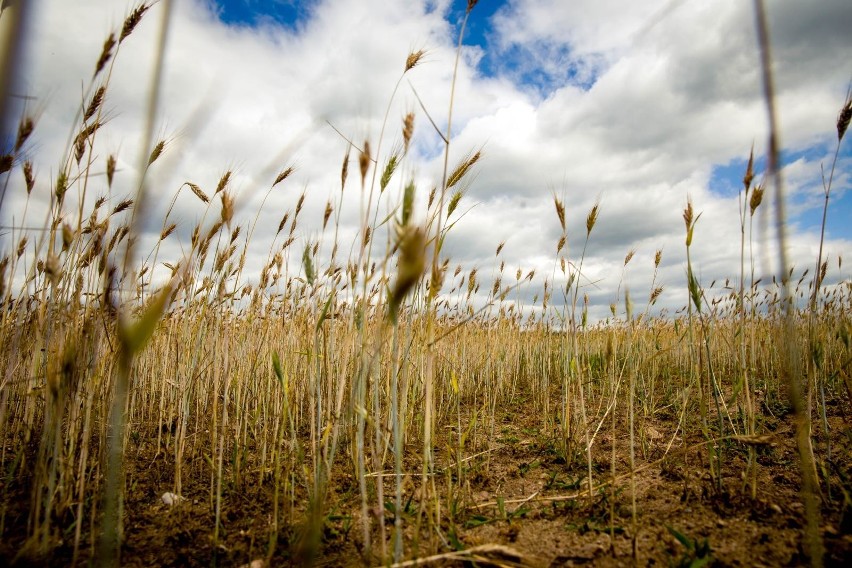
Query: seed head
168, 231
22, 246
655, 295
388, 172
364, 161
156, 152
223, 181
79, 149
283, 222
344, 170
454, 202
94, 104
756, 198
106, 53
690, 220
123, 206
67, 236
560, 211
407, 203
413, 59
844, 117
61, 185
282, 176
52, 269
25, 128
198, 193
687, 215
327, 214
471, 282
132, 21
4, 264
110, 169
407, 130
308, 264
412, 262
227, 208
462, 169
591, 219
29, 177
749, 175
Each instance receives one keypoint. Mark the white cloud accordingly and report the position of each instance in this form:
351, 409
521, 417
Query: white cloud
660, 93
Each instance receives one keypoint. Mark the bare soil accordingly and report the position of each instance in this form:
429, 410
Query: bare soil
522, 494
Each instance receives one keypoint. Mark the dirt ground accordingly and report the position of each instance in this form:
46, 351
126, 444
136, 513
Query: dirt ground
521, 494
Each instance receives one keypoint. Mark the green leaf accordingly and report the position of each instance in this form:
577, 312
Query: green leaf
324, 313
134, 336
276, 366
477, 521
520, 512
407, 203
694, 289
454, 540
308, 264
683, 539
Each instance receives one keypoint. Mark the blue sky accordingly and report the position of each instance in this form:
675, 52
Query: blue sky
639, 106
807, 208
253, 12
290, 13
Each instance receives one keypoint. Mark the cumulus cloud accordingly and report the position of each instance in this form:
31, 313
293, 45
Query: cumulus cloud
632, 105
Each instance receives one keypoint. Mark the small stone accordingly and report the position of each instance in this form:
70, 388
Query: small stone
170, 498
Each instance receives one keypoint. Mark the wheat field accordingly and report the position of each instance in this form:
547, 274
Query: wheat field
360, 404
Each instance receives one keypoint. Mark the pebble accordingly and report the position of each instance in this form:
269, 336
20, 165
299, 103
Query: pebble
170, 498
